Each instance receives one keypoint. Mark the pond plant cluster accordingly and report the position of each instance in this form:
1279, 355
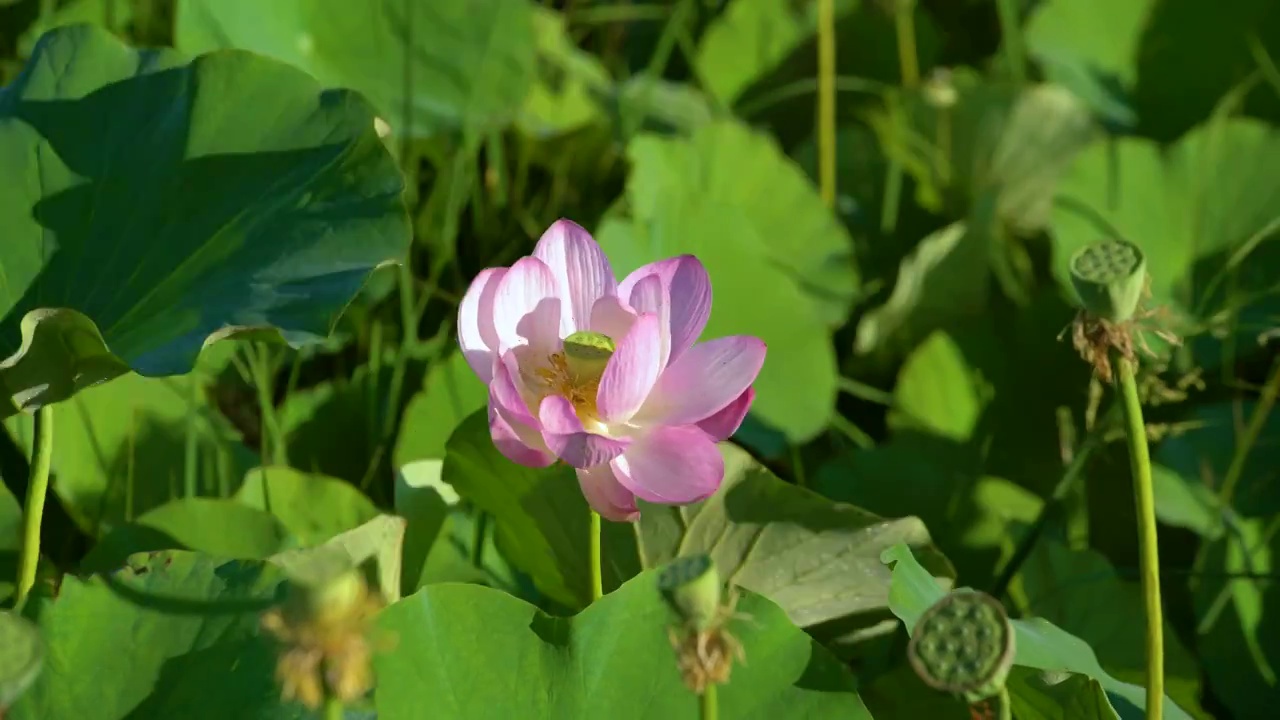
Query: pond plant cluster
398, 359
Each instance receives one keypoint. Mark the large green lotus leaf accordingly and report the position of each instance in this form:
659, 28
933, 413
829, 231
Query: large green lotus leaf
1236, 613
1203, 453
217, 527
314, 508
1080, 592
614, 659
570, 83
21, 656
98, 12
943, 280
10, 540
467, 66
1097, 60
1199, 210
1234, 610
1039, 696
451, 393
123, 447
541, 519
971, 517
377, 542
212, 196
819, 560
1131, 67
939, 391
781, 264
1040, 644
189, 625
425, 502
751, 37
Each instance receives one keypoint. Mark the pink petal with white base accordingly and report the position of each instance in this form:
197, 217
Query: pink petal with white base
631, 371
704, 380
581, 270
606, 495
612, 317
511, 443
725, 423
671, 465
476, 332
518, 427
523, 289
565, 436
686, 293
649, 296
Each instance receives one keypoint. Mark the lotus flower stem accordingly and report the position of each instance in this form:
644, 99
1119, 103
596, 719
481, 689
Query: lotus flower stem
479, 531
333, 708
1006, 706
709, 703
597, 583
33, 510
1007, 11
827, 101
904, 25
1144, 498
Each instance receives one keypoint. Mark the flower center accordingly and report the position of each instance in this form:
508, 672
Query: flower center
574, 373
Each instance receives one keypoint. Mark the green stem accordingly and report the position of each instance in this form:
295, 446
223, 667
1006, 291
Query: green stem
904, 25
33, 511
1144, 499
827, 101
1006, 707
597, 583
709, 703
1013, 55
332, 708
479, 531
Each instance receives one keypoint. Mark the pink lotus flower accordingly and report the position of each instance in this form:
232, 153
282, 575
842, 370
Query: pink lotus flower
607, 376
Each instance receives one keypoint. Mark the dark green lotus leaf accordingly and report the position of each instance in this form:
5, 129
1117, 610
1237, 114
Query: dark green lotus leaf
154, 203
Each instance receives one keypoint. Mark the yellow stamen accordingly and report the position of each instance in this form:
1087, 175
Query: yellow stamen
575, 372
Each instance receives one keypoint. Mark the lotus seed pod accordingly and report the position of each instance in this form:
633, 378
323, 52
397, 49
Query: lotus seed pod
330, 600
21, 657
1109, 277
963, 645
587, 353
691, 586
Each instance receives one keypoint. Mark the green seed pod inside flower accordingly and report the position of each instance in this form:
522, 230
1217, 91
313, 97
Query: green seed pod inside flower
691, 586
587, 353
963, 645
21, 657
1109, 277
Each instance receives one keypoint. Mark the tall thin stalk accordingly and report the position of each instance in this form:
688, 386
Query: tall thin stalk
1144, 498
33, 509
709, 703
597, 581
827, 101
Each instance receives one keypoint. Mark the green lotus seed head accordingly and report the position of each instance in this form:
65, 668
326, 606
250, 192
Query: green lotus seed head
691, 586
21, 657
328, 600
587, 353
1109, 276
963, 645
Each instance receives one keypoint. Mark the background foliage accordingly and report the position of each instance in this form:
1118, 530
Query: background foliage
918, 414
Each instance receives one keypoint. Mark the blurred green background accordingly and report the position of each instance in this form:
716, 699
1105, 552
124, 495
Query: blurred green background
917, 358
